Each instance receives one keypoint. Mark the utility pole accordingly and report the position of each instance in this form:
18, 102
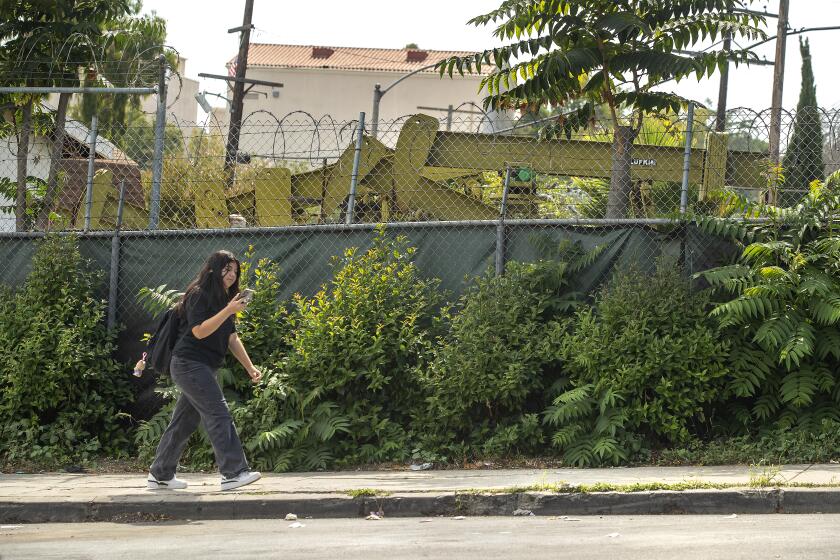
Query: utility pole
720, 121
238, 92
723, 92
778, 83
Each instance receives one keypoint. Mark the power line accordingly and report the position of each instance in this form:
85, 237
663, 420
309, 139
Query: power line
794, 32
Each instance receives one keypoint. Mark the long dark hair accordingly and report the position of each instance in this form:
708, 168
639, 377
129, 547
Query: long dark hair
209, 281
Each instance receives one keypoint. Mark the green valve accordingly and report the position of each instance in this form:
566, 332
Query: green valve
524, 174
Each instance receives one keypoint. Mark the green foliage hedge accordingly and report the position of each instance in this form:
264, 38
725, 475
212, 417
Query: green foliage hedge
378, 366
61, 392
642, 366
490, 375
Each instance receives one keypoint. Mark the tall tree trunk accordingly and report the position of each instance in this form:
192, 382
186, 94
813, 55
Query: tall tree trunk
55, 162
22, 166
620, 181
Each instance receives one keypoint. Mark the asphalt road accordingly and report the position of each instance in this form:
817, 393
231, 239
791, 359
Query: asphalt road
511, 538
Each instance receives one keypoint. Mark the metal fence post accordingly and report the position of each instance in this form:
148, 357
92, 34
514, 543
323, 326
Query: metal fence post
500, 227
354, 178
157, 161
94, 123
115, 261
689, 131
377, 98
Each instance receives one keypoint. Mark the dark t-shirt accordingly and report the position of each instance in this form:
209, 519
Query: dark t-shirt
211, 349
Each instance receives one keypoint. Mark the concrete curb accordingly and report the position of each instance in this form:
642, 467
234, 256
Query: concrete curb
276, 506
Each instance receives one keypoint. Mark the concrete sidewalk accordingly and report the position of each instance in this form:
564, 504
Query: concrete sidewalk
64, 497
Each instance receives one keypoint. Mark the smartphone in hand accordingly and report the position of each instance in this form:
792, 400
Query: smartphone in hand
246, 295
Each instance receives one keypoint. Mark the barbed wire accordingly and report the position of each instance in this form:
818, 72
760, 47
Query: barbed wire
754, 125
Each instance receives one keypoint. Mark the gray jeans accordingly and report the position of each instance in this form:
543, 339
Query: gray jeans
201, 400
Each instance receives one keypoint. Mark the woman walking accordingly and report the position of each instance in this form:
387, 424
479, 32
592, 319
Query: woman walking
207, 312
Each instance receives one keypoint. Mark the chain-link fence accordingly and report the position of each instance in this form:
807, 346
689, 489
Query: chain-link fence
470, 193
297, 169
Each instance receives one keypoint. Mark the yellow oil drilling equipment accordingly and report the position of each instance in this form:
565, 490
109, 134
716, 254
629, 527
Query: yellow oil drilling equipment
434, 174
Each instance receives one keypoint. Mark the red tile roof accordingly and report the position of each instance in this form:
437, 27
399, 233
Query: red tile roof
343, 58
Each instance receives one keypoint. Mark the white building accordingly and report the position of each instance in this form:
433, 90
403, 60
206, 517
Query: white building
330, 86
181, 106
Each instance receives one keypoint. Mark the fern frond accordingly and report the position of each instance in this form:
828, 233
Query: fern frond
608, 449
566, 435
826, 311
828, 343
157, 300
824, 378
272, 439
325, 428
576, 395
723, 227
610, 421
817, 283
318, 458
723, 275
765, 406
609, 399
581, 454
744, 309
761, 252
149, 432
798, 388
775, 273
774, 332
586, 260
798, 346
829, 244
561, 414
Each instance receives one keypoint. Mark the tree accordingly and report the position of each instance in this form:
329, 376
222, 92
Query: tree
23, 139
49, 41
803, 162
131, 58
612, 52
22, 63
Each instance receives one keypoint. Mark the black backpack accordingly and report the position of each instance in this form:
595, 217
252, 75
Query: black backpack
162, 343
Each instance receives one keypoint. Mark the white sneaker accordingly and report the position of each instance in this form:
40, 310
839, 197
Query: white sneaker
171, 484
243, 478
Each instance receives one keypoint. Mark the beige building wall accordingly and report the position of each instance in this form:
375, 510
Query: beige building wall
181, 106
342, 94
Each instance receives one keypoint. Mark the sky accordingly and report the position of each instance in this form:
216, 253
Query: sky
198, 30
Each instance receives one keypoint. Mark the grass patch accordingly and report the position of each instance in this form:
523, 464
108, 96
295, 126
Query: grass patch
759, 481
773, 447
366, 493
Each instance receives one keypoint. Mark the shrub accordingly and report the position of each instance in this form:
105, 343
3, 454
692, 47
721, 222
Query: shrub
265, 327
781, 303
641, 368
348, 386
491, 373
61, 391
